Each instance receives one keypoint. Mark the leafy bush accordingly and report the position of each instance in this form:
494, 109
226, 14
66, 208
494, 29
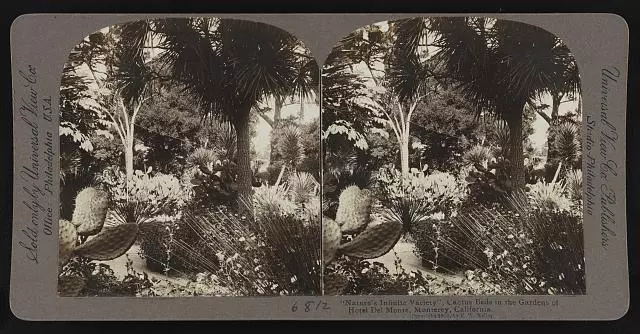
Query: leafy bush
212, 186
100, 280
374, 278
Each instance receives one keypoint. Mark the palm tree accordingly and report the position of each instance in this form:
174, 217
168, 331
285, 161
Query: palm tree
502, 65
228, 66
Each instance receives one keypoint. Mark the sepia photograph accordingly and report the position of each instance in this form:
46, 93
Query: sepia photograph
452, 160
190, 162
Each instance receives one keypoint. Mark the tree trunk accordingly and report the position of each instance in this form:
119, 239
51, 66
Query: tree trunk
128, 156
404, 153
245, 186
515, 171
277, 114
301, 112
552, 154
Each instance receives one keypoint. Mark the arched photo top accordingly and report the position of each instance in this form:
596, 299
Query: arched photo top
189, 145
465, 134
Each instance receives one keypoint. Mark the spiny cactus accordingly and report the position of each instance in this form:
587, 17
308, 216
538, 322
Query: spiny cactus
68, 237
88, 220
370, 240
110, 243
354, 209
90, 211
104, 243
331, 236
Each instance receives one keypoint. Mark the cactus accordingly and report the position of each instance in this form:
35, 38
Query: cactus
90, 211
110, 243
68, 238
369, 240
373, 242
353, 215
354, 209
88, 220
331, 236
104, 243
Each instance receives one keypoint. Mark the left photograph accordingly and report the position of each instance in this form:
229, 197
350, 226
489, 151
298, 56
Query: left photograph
189, 162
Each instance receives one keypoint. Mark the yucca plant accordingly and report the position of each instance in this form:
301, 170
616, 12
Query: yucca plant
573, 181
290, 146
303, 186
549, 196
567, 144
478, 154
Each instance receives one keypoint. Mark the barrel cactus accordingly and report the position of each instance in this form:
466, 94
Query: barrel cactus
103, 243
370, 240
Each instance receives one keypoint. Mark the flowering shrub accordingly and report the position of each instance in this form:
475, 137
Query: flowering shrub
414, 198
143, 196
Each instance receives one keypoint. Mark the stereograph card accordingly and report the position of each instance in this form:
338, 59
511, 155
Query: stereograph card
319, 167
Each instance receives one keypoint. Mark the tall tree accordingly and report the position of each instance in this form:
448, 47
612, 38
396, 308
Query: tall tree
397, 81
503, 65
227, 65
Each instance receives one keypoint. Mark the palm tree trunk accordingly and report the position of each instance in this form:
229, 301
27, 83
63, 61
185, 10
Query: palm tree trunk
515, 171
552, 154
245, 187
277, 114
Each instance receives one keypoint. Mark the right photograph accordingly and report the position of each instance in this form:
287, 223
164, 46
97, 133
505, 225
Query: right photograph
452, 161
